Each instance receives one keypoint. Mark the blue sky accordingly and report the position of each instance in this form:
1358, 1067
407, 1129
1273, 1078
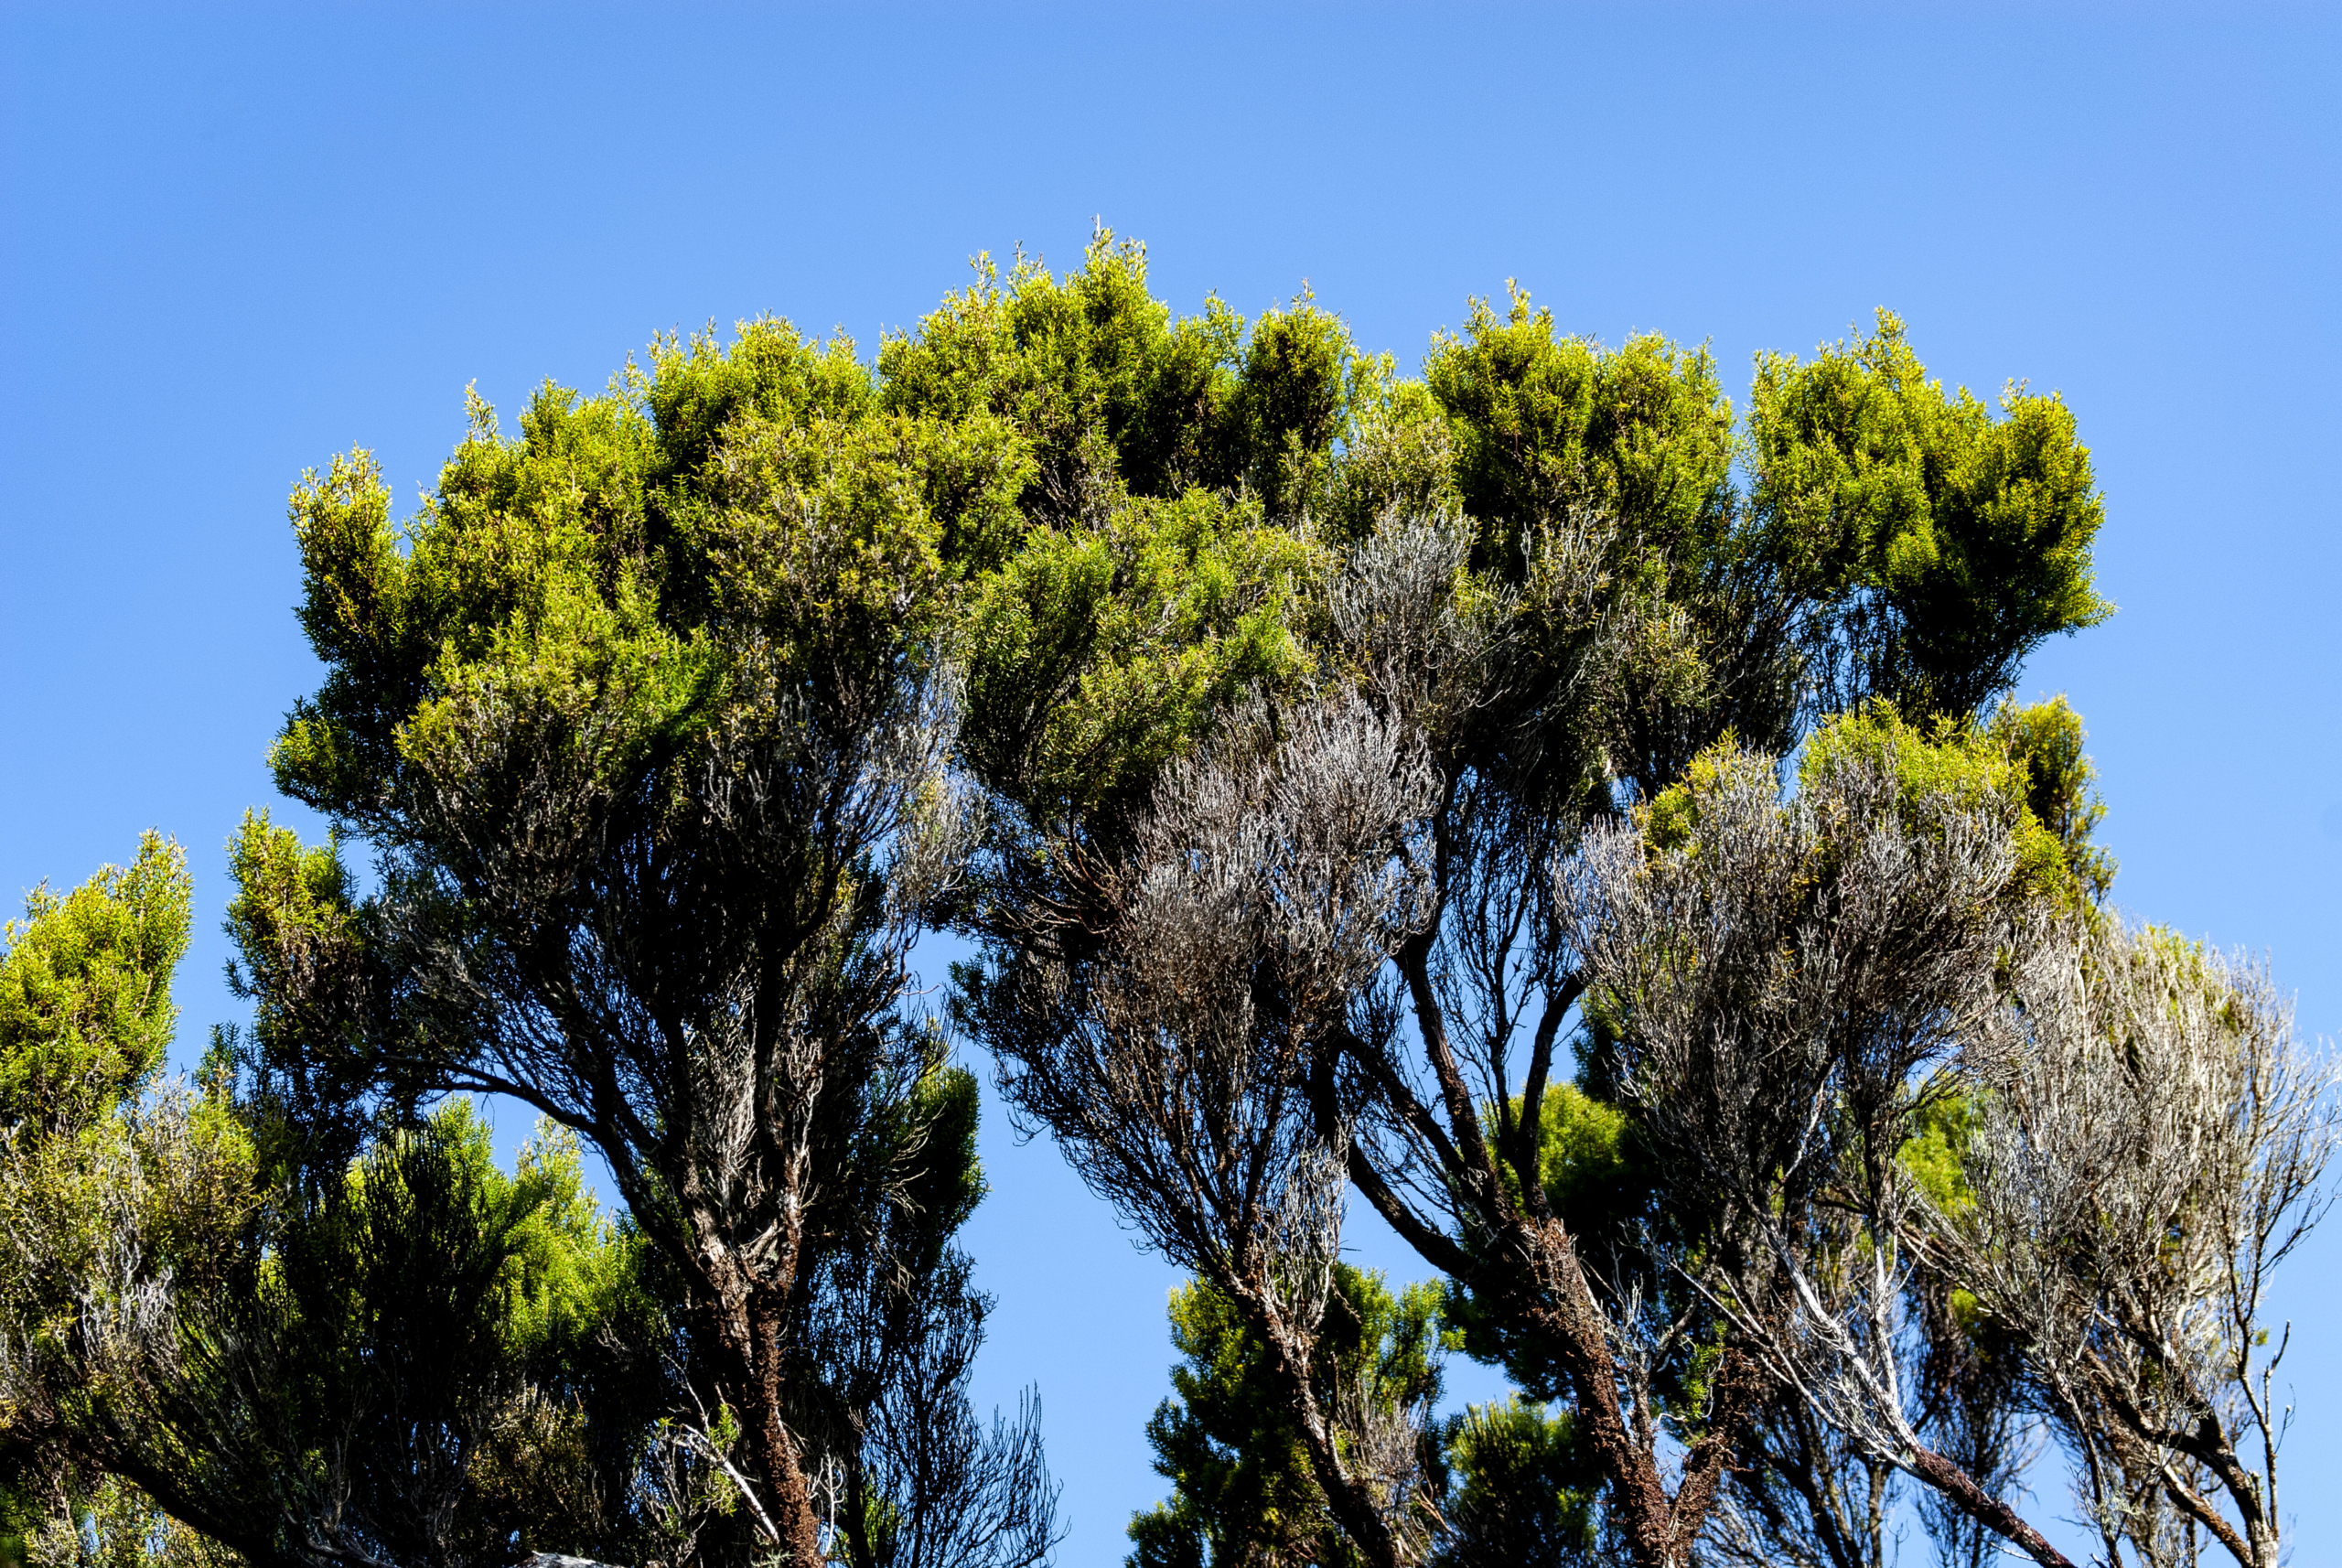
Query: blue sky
234, 241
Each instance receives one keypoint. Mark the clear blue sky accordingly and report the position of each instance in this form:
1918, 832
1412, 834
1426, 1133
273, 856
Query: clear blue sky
234, 241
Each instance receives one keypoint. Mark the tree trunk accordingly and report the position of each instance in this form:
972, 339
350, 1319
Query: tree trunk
1660, 1529
1983, 1507
747, 1316
779, 1456
1353, 1506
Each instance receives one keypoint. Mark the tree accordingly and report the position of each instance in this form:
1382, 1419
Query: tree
645, 715
1244, 1489
417, 1360
1610, 605
1325, 762
1172, 1058
1522, 1492
1504, 1483
2147, 1145
1787, 983
85, 993
85, 1235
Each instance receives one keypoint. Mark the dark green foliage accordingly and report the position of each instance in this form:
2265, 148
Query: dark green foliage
417, 1354
1512, 1485
481, 1350
1242, 1488
1524, 1496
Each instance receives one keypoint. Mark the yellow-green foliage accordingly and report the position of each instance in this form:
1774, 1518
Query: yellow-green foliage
291, 898
174, 1171
2022, 763
1977, 530
1089, 364
104, 1522
85, 989
106, 1181
1973, 767
2059, 783
1117, 395
1958, 764
733, 520
1671, 819
1936, 1153
1095, 656
1585, 1152
1543, 425
1398, 454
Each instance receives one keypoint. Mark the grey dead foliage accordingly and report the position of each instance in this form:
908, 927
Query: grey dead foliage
1182, 1055
2150, 1141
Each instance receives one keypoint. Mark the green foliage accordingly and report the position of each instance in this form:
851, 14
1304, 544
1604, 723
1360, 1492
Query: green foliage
1090, 368
306, 960
426, 1348
1615, 466
2022, 762
1587, 1160
595, 574
2060, 782
1096, 656
611, 639
1969, 535
435, 1294
1524, 1496
1242, 1488
1289, 403
1118, 397
153, 1202
1517, 1485
85, 990
1937, 1151
1397, 455
1163, 572
1544, 428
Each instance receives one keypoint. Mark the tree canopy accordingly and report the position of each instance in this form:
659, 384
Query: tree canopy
1585, 819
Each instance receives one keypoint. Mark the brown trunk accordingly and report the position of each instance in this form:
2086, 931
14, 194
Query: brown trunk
1539, 1280
745, 1317
1660, 1529
1555, 1297
779, 1458
1352, 1505
1562, 1307
1983, 1507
